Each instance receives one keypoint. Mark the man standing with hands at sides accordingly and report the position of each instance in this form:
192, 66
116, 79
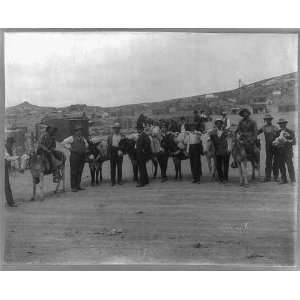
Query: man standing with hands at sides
77, 145
219, 140
195, 150
270, 131
8, 155
143, 153
115, 154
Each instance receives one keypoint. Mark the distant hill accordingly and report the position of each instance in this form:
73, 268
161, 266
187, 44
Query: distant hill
280, 90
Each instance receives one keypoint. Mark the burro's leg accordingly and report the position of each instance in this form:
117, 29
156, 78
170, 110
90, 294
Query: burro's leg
33, 189
245, 172
241, 173
42, 186
63, 178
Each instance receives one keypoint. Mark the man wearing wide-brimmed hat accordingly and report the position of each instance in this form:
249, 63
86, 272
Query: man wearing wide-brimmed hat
77, 145
46, 148
195, 150
270, 132
219, 139
143, 154
285, 151
115, 153
247, 129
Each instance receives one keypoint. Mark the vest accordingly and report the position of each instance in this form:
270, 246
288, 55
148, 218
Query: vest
78, 145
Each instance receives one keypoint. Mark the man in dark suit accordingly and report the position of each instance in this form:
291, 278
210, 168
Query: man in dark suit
219, 139
115, 153
143, 154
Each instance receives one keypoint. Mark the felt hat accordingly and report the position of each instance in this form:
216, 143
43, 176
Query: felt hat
78, 127
116, 125
282, 121
243, 110
219, 120
267, 116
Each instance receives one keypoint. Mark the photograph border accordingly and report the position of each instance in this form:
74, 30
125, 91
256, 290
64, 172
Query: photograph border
133, 267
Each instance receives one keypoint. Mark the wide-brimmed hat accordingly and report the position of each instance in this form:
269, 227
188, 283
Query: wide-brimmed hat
219, 120
267, 116
116, 125
78, 127
49, 127
244, 110
282, 121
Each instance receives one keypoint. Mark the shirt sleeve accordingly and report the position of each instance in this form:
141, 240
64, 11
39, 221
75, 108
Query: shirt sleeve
86, 143
67, 142
228, 124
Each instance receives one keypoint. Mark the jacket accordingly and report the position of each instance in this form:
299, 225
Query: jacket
220, 143
143, 147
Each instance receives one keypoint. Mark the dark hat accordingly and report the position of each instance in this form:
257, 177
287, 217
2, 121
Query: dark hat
244, 110
78, 127
267, 116
219, 120
49, 127
282, 121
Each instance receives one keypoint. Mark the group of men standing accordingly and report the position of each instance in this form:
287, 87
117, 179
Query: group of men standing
279, 144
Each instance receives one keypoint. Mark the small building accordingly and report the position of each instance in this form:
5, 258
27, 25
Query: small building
259, 107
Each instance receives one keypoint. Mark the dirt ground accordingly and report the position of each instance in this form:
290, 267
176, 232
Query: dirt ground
162, 223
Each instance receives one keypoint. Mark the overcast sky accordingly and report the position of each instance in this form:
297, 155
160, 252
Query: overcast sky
116, 68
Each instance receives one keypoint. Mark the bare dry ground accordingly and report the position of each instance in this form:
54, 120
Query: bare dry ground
170, 223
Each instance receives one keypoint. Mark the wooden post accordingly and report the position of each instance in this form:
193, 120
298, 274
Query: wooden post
2, 143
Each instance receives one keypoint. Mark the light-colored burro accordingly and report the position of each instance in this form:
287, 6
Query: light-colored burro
34, 162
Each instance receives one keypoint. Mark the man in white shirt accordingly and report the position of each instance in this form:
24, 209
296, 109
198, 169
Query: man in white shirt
115, 153
77, 145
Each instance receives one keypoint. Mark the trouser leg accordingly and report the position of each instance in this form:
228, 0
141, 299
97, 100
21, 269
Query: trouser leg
119, 167
290, 167
275, 166
219, 162
282, 169
113, 165
192, 162
8, 192
80, 170
144, 179
268, 166
163, 163
73, 170
226, 166
195, 161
